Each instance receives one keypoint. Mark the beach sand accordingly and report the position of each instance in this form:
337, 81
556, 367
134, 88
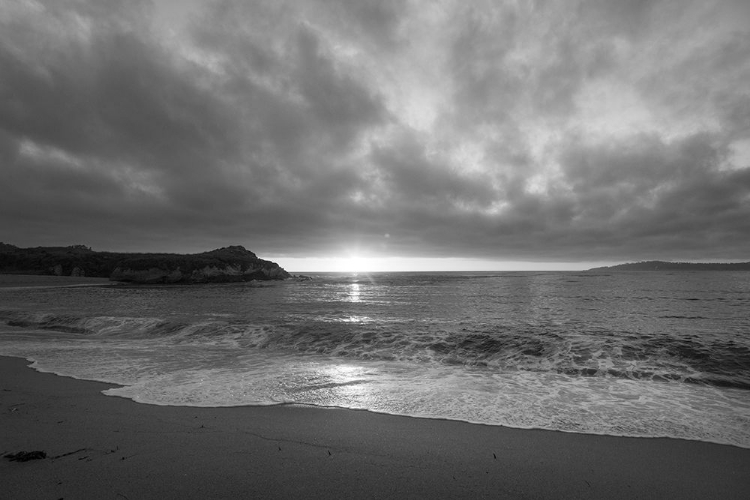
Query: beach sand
113, 448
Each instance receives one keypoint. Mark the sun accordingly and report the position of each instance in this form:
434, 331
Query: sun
357, 264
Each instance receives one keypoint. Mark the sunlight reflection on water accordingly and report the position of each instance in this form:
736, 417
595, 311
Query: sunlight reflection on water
354, 292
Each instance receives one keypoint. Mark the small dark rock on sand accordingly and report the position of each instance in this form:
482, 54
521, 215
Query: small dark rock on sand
25, 456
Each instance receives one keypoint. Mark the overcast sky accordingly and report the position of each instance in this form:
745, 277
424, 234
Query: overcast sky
548, 132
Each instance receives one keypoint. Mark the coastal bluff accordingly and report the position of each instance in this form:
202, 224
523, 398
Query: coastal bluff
223, 265
657, 265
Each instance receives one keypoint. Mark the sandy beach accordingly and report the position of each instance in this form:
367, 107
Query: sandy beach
106, 447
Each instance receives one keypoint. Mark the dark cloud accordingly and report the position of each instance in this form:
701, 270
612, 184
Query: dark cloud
410, 178
551, 131
340, 105
375, 21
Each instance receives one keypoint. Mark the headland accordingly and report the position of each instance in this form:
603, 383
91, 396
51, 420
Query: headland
658, 265
229, 264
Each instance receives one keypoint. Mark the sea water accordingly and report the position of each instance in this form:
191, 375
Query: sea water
654, 354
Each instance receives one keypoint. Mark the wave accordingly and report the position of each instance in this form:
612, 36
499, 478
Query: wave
687, 359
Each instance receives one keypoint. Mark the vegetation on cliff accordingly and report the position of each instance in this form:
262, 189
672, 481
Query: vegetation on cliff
233, 263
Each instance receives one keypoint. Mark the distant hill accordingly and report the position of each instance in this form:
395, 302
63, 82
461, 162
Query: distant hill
233, 263
657, 265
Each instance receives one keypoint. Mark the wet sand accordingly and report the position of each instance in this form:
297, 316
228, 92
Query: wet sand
107, 447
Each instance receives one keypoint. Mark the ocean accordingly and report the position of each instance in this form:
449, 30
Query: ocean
649, 354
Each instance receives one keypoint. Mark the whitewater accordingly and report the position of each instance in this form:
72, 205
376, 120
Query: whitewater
648, 354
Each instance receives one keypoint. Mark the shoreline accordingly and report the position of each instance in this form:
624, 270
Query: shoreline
100, 446
114, 387
26, 281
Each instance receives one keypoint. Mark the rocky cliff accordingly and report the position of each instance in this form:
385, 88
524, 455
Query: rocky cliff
229, 264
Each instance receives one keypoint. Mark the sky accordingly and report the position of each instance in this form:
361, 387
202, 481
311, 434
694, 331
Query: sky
377, 135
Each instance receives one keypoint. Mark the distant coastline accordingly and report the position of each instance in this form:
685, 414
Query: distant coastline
229, 264
658, 265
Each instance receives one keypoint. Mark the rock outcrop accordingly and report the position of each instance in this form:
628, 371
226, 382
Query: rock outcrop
229, 264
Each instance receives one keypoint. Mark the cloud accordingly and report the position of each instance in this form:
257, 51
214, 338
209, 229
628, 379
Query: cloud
654, 193
500, 130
